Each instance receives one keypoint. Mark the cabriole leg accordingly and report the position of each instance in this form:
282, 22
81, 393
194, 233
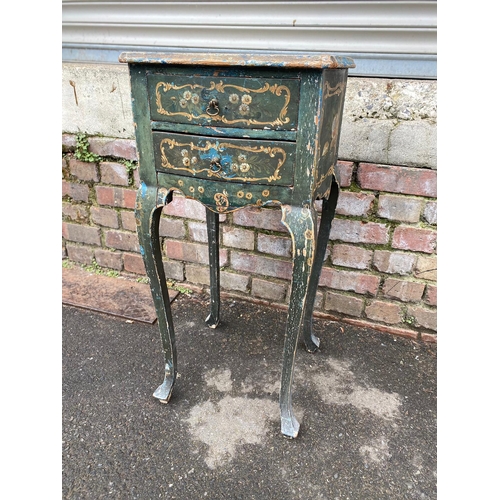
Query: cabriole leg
213, 256
327, 213
301, 223
148, 210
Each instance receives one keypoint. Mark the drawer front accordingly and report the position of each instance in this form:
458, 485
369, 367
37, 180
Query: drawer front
258, 103
238, 160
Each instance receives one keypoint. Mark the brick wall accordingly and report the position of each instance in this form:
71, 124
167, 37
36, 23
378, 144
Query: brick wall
380, 268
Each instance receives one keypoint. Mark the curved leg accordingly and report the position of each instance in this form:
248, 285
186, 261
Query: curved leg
213, 256
147, 211
328, 211
301, 223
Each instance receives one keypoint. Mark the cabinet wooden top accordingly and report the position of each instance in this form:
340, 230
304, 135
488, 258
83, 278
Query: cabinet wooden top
255, 59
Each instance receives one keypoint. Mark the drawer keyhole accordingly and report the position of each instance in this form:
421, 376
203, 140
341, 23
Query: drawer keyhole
213, 107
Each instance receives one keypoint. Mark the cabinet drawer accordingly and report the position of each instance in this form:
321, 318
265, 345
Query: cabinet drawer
258, 103
239, 160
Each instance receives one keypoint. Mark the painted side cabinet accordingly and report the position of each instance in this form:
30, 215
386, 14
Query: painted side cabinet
232, 130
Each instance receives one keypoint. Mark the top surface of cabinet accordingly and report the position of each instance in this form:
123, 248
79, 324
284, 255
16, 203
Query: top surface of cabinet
256, 59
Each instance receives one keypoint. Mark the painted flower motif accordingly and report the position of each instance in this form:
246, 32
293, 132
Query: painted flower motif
240, 194
244, 167
184, 152
246, 99
194, 160
183, 103
233, 98
244, 109
265, 193
242, 157
195, 99
235, 167
186, 161
187, 95
248, 196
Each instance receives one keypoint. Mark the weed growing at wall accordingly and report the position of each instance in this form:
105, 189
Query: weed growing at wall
82, 150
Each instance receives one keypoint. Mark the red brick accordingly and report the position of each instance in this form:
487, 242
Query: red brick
349, 281
351, 256
262, 218
192, 252
187, 208
415, 239
104, 217
407, 291
75, 212
84, 255
133, 263
399, 208
197, 231
174, 270
404, 180
114, 173
426, 268
109, 259
251, 263
345, 168
119, 148
386, 312
82, 170
344, 304
81, 234
68, 143
394, 262
431, 295
424, 317
172, 228
128, 220
115, 196
430, 212
122, 240
235, 237
275, 245
357, 204
354, 231
268, 290
429, 337
78, 192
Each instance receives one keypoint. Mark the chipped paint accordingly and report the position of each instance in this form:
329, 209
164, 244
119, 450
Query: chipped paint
264, 59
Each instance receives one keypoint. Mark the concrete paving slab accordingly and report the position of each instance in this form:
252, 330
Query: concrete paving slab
366, 402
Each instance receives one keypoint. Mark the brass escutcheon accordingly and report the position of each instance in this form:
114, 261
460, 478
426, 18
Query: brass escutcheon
213, 107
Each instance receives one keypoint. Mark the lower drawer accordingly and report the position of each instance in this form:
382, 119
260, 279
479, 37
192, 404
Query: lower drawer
239, 160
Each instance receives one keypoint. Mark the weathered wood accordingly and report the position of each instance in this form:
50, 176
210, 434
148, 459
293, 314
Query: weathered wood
253, 59
231, 130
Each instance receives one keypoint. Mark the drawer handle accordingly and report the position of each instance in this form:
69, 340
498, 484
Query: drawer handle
215, 164
213, 107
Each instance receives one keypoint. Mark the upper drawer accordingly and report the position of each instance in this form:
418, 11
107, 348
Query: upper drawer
258, 103
237, 160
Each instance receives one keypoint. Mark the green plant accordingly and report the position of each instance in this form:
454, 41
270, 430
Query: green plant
181, 289
96, 269
130, 166
143, 280
410, 320
82, 152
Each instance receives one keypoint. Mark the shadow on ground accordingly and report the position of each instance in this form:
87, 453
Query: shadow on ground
366, 402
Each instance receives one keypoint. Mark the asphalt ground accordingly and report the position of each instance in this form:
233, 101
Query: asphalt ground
366, 402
